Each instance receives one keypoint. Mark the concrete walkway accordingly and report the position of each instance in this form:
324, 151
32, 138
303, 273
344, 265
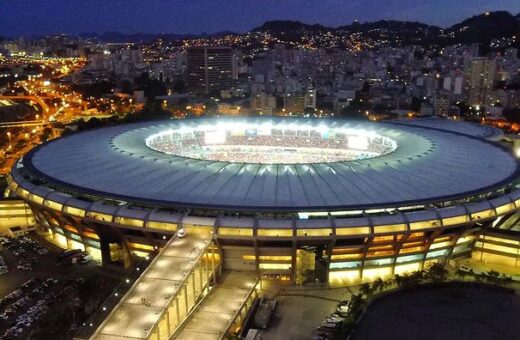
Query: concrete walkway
214, 315
140, 309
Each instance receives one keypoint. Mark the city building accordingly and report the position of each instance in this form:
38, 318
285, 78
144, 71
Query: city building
441, 105
263, 103
297, 102
336, 202
480, 78
209, 69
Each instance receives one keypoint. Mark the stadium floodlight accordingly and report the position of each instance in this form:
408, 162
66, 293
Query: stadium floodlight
251, 142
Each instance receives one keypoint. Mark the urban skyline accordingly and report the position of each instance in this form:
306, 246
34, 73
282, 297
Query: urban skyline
196, 17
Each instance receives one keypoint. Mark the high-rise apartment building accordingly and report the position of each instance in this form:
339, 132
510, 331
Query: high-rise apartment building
479, 79
297, 102
209, 69
441, 104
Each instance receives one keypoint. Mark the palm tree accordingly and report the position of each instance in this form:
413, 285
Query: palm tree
507, 280
436, 272
417, 276
356, 305
492, 276
387, 284
378, 285
398, 280
366, 290
461, 274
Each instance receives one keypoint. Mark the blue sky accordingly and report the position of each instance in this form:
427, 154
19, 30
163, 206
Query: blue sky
30, 17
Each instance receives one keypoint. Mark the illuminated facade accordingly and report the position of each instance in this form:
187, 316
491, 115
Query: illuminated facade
209, 69
436, 196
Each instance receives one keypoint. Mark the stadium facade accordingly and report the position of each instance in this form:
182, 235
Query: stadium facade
297, 199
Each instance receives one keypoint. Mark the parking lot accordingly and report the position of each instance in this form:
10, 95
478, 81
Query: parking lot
41, 265
37, 284
301, 311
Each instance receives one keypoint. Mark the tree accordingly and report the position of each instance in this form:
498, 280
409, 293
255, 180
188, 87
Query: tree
179, 86
512, 114
436, 272
366, 290
151, 87
387, 284
357, 303
46, 133
480, 277
151, 111
398, 280
126, 86
355, 109
378, 284
461, 274
416, 277
3, 185
309, 111
211, 107
415, 105
492, 276
507, 280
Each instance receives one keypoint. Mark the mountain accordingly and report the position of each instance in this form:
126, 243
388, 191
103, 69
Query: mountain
289, 26
406, 32
479, 29
410, 27
483, 28
116, 37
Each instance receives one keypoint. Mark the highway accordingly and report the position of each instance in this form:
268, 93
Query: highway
36, 99
54, 102
23, 124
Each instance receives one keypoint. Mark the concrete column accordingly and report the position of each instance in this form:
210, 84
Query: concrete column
127, 257
105, 252
199, 264
213, 265
178, 311
193, 286
207, 270
294, 263
167, 316
185, 292
158, 330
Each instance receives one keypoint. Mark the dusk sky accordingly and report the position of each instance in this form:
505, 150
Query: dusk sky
30, 17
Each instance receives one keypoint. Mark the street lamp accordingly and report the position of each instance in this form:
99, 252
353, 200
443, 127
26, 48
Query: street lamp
9, 136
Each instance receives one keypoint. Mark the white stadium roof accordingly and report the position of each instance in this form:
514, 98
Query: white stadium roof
462, 127
428, 165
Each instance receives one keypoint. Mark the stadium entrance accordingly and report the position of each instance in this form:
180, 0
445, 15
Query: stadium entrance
311, 265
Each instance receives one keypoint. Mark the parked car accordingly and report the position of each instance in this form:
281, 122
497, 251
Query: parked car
69, 252
85, 259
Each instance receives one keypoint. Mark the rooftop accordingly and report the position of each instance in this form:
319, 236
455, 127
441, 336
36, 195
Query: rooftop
429, 164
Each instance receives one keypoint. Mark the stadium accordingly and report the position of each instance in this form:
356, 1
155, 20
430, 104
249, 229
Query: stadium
292, 199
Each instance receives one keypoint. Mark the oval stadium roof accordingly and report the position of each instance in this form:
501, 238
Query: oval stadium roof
462, 127
428, 165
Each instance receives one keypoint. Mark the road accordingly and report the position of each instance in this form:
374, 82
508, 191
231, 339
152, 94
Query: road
54, 102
